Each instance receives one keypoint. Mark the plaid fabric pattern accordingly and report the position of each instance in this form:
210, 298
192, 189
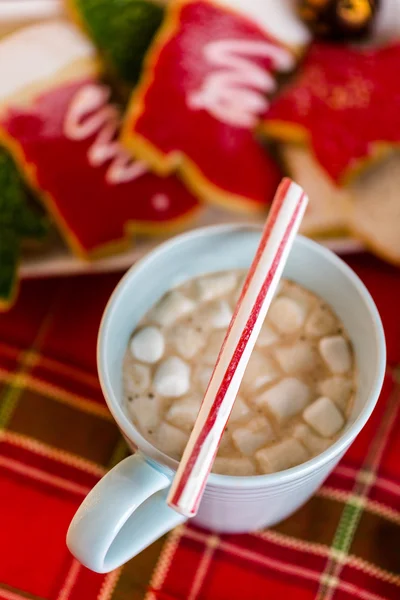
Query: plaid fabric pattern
57, 439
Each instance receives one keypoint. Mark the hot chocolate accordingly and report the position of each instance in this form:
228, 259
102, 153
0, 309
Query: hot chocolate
297, 390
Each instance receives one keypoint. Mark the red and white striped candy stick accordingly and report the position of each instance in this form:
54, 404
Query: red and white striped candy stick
262, 280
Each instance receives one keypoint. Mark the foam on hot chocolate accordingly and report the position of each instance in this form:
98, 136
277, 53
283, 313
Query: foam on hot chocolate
296, 393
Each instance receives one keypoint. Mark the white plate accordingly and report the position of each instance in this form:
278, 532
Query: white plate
58, 260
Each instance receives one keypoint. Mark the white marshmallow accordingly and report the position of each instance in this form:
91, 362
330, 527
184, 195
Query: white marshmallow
215, 315
300, 295
203, 377
145, 411
187, 340
171, 307
266, 337
172, 377
299, 357
338, 389
253, 435
234, 466
240, 411
321, 322
309, 439
171, 440
236, 294
225, 446
281, 456
136, 379
285, 399
183, 413
215, 285
148, 345
260, 370
213, 346
286, 314
235, 298
336, 353
279, 287
324, 417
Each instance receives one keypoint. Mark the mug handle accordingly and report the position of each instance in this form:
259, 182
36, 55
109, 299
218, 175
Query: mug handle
123, 514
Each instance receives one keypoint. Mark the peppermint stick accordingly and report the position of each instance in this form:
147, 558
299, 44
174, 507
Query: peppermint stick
282, 224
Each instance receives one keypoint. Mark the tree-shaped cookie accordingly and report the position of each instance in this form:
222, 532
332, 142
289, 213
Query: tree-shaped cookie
122, 31
18, 222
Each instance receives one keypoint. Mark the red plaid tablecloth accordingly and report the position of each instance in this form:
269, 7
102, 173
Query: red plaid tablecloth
57, 438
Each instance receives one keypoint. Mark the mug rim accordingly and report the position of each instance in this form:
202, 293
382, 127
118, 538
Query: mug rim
249, 481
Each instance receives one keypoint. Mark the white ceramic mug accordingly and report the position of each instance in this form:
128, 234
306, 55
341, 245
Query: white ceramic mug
126, 511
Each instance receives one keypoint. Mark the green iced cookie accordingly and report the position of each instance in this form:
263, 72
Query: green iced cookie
9, 253
18, 221
121, 29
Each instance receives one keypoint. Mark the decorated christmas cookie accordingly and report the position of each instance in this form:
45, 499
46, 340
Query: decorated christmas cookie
326, 210
345, 103
61, 128
368, 209
373, 209
206, 85
122, 31
19, 222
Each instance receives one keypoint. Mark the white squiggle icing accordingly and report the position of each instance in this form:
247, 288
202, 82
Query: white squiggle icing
235, 94
105, 147
124, 169
89, 114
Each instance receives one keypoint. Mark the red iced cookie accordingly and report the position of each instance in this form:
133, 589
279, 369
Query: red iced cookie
345, 102
98, 194
63, 132
204, 89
